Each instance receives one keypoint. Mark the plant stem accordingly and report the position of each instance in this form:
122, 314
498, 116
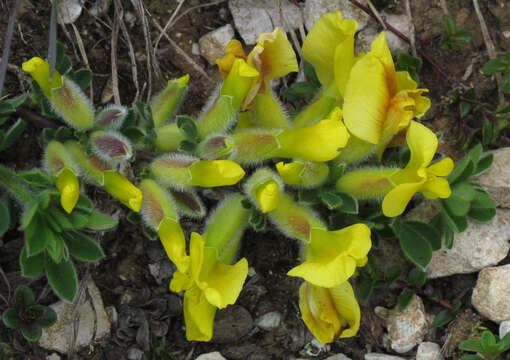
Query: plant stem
419, 291
11, 182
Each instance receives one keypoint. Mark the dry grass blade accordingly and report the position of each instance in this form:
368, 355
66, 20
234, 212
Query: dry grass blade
412, 34
7, 44
52, 41
115, 33
83, 53
167, 26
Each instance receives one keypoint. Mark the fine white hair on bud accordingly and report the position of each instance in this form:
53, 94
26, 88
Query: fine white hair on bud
111, 146
111, 117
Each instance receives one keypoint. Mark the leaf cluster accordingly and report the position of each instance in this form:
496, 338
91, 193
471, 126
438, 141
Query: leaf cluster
502, 66
409, 63
10, 133
454, 36
27, 316
303, 90
488, 345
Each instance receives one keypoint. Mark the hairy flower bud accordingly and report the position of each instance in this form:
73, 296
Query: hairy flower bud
263, 188
111, 117
165, 104
111, 146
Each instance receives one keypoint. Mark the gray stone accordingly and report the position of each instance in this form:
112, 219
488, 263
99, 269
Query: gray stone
428, 351
378, 356
504, 328
269, 321
496, 180
254, 17
231, 323
53, 356
69, 10
211, 356
491, 293
212, 45
134, 353
314, 9
406, 327
480, 246
162, 271
93, 324
338, 357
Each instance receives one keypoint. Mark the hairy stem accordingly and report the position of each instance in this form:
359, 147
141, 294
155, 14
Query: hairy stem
11, 182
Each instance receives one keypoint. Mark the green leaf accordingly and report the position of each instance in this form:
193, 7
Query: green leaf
82, 77
31, 331
6, 108
495, 65
456, 223
417, 277
392, 274
505, 83
187, 146
461, 37
482, 215
459, 201
188, 127
84, 204
5, 218
487, 339
504, 343
78, 219
17, 101
414, 241
349, 204
451, 27
487, 132
133, 133
29, 213
308, 196
483, 164
462, 171
61, 218
471, 345
465, 108
83, 247
13, 133
56, 248
63, 63
47, 316
11, 319
443, 318
257, 220
36, 177
62, 278
405, 298
33, 266
100, 222
37, 237
482, 200
448, 236
330, 198
299, 90
471, 357
366, 287
63, 134
310, 74
23, 297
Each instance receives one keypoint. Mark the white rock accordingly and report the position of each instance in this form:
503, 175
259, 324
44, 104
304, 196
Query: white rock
53, 356
211, 356
195, 49
315, 8
269, 321
396, 45
428, 351
93, 323
492, 293
69, 10
504, 328
406, 327
212, 45
480, 246
254, 17
377, 356
496, 180
338, 357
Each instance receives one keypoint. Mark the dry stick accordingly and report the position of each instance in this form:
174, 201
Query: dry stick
115, 77
183, 54
83, 53
412, 37
34, 118
167, 25
445, 8
134, 69
212, 3
376, 14
491, 49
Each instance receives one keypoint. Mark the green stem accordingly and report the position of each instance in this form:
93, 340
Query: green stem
11, 182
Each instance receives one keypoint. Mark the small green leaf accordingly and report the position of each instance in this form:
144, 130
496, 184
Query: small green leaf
36, 177
471, 357
82, 77
505, 83
84, 204
443, 318
61, 218
6, 108
392, 274
257, 220
13, 133
414, 242
465, 108
311, 74
417, 277
308, 196
83, 247
187, 146
29, 213
133, 133
482, 215
188, 127
487, 339
47, 316
23, 297
459, 201
56, 248
349, 204
482, 200
5, 218
471, 345
495, 65
451, 27
100, 222
31, 331
11, 319
62, 278
33, 266
462, 171
483, 164
457, 223
487, 132
448, 236
330, 198
37, 237
63, 63
78, 219
405, 298
504, 343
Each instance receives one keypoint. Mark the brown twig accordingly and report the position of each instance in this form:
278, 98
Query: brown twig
115, 33
167, 25
83, 53
35, 119
420, 292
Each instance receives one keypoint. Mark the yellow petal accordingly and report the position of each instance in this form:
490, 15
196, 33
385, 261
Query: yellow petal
172, 237
273, 55
436, 187
239, 82
344, 61
441, 168
290, 172
395, 202
366, 99
211, 173
234, 50
268, 196
180, 282
196, 251
405, 81
321, 42
40, 72
121, 188
379, 49
346, 307
199, 318
422, 143
318, 312
225, 282
69, 187
320, 142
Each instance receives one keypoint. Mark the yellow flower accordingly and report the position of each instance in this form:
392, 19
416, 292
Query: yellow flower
418, 175
233, 50
378, 101
267, 196
69, 187
118, 186
209, 284
332, 256
40, 72
329, 312
303, 173
239, 82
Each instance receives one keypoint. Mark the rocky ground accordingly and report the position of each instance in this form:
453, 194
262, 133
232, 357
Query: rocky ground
126, 309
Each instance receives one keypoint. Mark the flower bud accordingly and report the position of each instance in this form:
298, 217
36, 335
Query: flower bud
165, 104
168, 137
307, 174
111, 146
111, 117
268, 112
263, 188
215, 147
118, 186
